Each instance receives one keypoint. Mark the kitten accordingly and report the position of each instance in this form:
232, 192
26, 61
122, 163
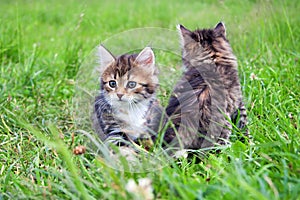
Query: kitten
208, 90
126, 108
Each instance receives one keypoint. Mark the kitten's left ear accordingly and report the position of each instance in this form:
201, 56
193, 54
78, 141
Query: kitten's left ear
220, 29
185, 34
146, 58
105, 57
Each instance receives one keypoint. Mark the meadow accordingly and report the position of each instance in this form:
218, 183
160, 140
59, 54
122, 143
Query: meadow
43, 46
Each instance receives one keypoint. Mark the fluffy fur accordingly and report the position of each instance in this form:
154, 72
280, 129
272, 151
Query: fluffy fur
208, 98
126, 107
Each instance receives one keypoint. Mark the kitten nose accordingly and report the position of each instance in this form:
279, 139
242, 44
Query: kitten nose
120, 95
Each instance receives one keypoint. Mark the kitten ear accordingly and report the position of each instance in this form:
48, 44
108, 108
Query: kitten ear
105, 57
220, 29
146, 58
185, 34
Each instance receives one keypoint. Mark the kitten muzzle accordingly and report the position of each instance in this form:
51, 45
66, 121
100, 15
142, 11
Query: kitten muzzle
120, 96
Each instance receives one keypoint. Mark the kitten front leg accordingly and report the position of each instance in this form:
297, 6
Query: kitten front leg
120, 149
128, 153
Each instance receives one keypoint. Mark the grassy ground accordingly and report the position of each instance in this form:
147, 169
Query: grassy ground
44, 43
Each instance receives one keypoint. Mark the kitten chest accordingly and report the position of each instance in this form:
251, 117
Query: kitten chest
133, 120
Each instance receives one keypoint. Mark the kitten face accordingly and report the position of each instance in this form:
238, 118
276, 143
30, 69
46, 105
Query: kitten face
205, 42
128, 79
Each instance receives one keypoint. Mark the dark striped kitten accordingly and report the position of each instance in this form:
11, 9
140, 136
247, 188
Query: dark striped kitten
208, 97
126, 108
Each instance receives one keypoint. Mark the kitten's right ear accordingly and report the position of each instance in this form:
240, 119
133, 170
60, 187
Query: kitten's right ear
185, 34
146, 58
220, 29
105, 57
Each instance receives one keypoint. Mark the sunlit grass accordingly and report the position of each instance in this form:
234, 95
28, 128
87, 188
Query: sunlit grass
44, 44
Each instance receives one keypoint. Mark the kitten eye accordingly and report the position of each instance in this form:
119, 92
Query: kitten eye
131, 84
112, 84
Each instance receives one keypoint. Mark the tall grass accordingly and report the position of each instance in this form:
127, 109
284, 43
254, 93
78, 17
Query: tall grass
44, 43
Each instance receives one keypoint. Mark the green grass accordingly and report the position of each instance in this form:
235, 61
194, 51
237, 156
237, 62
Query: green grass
43, 44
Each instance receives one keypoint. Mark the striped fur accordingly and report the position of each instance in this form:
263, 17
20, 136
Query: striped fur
123, 111
211, 79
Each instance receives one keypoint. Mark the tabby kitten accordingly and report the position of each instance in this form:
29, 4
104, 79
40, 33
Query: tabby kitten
126, 108
208, 96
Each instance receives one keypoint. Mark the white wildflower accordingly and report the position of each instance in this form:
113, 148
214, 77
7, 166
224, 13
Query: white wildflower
142, 190
181, 153
253, 77
131, 186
